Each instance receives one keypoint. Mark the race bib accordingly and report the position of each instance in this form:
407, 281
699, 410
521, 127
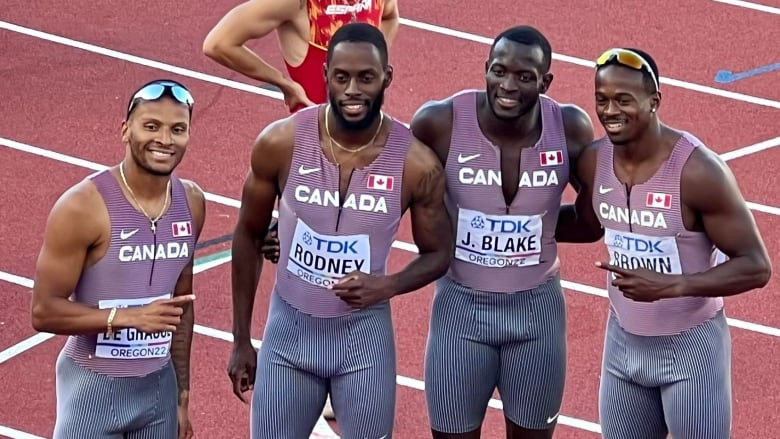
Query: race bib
130, 343
498, 240
631, 251
322, 259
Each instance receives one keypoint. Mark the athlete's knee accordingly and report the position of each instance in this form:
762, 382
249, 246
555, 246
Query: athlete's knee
515, 431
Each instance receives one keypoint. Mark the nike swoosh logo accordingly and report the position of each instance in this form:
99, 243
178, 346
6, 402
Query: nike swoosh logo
304, 171
467, 158
124, 235
552, 418
605, 190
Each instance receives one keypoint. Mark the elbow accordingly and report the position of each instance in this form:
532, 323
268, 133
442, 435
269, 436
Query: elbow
597, 233
39, 317
763, 272
213, 48
443, 263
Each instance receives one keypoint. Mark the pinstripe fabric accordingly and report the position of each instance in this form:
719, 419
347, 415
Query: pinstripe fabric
311, 197
138, 264
507, 259
677, 384
96, 406
480, 341
303, 357
638, 214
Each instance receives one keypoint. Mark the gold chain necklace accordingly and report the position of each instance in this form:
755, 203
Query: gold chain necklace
165, 204
351, 150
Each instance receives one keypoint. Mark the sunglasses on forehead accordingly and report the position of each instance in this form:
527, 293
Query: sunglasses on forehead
627, 58
155, 90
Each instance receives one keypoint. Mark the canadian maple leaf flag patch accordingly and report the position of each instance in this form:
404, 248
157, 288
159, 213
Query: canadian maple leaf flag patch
657, 199
182, 228
551, 158
380, 182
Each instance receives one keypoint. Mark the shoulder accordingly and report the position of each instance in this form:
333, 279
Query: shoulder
432, 125
80, 210
706, 181
274, 142
704, 167
433, 112
578, 128
196, 199
83, 198
193, 190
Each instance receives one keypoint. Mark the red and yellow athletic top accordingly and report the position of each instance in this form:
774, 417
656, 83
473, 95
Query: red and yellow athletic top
325, 17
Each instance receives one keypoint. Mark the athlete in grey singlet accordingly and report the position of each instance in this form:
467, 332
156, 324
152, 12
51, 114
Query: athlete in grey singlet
344, 173
120, 244
666, 202
498, 318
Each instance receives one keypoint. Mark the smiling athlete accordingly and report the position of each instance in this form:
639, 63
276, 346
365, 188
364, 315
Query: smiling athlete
498, 318
345, 173
666, 201
115, 275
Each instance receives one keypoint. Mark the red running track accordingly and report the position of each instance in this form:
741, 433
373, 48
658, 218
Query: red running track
71, 101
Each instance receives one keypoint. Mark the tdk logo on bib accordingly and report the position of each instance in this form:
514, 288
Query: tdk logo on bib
632, 251
498, 240
322, 259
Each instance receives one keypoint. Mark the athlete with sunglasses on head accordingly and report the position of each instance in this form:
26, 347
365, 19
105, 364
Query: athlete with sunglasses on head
665, 201
115, 275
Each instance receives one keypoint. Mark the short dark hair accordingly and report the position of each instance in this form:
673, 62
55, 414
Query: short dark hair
647, 79
530, 36
359, 32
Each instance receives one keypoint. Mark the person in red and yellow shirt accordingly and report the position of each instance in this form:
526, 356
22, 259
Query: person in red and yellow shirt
304, 28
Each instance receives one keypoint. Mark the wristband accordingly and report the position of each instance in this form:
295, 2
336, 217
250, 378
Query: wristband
111, 315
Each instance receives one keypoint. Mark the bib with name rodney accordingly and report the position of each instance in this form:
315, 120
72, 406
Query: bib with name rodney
323, 259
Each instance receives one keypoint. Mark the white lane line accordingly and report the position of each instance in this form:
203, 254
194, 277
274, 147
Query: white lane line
750, 5
401, 380
412, 23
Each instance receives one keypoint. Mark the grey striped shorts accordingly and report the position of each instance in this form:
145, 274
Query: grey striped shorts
676, 384
480, 341
97, 406
303, 358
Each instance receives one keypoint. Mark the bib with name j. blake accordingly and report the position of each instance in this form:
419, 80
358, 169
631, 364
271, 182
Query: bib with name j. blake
498, 240
130, 343
632, 251
323, 259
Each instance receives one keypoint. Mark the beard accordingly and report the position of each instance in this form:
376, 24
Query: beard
374, 109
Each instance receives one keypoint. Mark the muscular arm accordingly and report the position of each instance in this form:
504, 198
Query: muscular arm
254, 19
431, 227
73, 227
390, 23
181, 343
257, 204
710, 189
578, 222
